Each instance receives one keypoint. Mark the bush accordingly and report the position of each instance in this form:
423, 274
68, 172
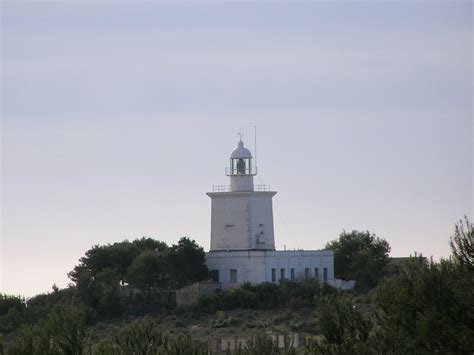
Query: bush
185, 345
141, 337
106, 348
428, 308
342, 326
261, 344
264, 296
61, 333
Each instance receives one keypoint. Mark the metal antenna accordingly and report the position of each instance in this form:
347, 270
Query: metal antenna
255, 135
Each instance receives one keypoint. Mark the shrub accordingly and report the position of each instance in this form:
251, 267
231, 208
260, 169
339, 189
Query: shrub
342, 326
185, 345
261, 344
141, 337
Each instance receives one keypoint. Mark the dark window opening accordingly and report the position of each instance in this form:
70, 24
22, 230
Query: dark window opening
215, 275
233, 275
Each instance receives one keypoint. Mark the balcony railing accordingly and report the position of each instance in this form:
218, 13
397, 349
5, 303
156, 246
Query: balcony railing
226, 188
247, 171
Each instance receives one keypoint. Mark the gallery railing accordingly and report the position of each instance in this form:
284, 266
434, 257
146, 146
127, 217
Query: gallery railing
226, 188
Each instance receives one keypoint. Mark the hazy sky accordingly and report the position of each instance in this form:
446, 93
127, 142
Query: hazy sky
117, 118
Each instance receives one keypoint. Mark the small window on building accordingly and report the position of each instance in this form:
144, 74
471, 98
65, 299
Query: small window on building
274, 275
306, 273
292, 274
325, 273
282, 274
215, 275
229, 226
233, 275
316, 274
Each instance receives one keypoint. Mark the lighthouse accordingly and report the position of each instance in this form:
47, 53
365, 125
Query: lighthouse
241, 212
242, 235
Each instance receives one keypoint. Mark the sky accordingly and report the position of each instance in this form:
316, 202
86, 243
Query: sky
117, 118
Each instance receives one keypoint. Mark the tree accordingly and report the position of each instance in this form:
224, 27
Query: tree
462, 243
187, 263
66, 328
360, 256
261, 344
117, 256
146, 271
343, 328
7, 302
106, 285
62, 332
142, 337
12, 310
428, 308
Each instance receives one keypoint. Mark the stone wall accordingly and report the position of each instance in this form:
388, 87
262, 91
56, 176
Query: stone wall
188, 295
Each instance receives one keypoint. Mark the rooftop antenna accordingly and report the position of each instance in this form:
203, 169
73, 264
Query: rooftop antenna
255, 135
240, 134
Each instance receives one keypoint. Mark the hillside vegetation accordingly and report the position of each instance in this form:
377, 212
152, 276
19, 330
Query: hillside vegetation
427, 307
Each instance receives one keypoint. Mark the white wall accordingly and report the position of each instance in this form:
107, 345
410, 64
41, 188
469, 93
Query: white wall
250, 266
256, 266
239, 218
261, 221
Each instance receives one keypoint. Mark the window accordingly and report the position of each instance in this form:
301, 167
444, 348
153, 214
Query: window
240, 166
316, 274
229, 226
215, 275
306, 273
325, 273
292, 274
233, 275
274, 275
282, 274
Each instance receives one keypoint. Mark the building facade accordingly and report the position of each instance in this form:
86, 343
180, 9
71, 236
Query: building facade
242, 235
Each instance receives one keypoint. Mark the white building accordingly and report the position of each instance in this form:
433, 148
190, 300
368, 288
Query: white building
242, 237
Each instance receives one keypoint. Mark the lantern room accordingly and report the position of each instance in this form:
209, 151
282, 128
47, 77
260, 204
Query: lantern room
241, 162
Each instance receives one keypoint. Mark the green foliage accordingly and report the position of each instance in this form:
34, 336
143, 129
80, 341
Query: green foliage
142, 337
360, 256
264, 296
66, 328
186, 345
106, 348
62, 332
261, 344
187, 263
7, 302
107, 287
27, 342
117, 256
147, 270
343, 329
147, 265
462, 244
11, 320
428, 308
17, 311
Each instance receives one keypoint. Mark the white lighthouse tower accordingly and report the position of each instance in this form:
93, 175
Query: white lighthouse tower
241, 213
242, 239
